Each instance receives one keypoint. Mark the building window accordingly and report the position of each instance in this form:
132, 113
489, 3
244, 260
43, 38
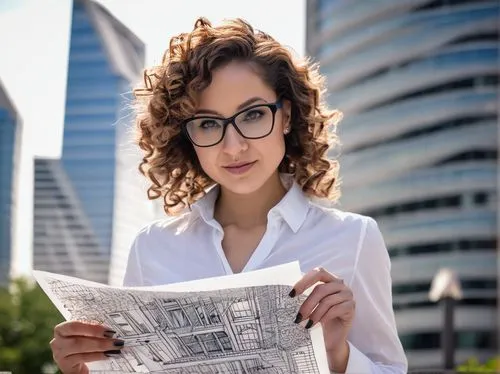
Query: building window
241, 309
177, 318
466, 284
492, 36
192, 344
248, 337
211, 344
194, 313
483, 302
453, 201
175, 314
481, 198
207, 313
224, 340
472, 82
481, 154
215, 342
123, 324
445, 3
443, 247
464, 340
432, 129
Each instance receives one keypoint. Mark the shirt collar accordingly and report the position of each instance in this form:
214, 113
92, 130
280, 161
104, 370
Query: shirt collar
204, 207
293, 207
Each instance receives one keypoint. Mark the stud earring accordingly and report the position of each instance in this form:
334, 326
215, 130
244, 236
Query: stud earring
286, 131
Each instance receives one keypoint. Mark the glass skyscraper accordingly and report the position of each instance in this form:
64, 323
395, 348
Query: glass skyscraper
417, 81
64, 241
105, 60
10, 130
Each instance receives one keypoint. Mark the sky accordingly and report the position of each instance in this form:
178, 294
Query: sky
34, 40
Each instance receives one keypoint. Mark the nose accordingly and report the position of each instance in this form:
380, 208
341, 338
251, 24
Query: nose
233, 143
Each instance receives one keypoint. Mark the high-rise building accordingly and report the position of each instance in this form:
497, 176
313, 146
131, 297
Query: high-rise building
64, 241
132, 209
10, 137
417, 81
105, 60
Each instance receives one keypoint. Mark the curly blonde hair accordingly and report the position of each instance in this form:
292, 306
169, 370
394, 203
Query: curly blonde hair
169, 95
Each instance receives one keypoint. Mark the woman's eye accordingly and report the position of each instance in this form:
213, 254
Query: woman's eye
253, 115
209, 124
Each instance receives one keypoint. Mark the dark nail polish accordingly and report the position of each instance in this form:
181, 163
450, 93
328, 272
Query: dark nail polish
309, 324
118, 343
109, 333
298, 318
292, 293
111, 353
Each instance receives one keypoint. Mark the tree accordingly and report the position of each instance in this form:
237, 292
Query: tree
27, 319
472, 365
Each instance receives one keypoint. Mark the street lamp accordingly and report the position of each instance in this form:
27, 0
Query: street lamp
446, 289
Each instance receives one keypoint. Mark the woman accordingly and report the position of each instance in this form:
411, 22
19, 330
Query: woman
236, 136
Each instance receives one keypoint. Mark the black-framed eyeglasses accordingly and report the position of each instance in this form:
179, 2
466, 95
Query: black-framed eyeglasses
254, 122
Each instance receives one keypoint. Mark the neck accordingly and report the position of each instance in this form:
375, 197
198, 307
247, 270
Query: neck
249, 210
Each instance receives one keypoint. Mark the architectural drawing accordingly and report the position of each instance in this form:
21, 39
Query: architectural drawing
230, 331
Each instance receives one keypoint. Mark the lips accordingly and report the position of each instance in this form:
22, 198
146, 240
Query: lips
240, 167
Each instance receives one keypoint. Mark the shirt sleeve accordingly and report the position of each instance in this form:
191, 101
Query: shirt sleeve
374, 344
133, 273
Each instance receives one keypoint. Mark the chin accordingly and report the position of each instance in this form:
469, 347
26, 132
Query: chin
246, 183
244, 186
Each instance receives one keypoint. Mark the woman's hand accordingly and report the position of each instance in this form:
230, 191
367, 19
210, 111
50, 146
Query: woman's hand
76, 343
332, 304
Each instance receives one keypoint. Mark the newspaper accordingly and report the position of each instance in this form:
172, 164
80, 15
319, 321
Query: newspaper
242, 323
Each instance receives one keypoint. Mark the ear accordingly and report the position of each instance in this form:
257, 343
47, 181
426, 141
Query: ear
287, 113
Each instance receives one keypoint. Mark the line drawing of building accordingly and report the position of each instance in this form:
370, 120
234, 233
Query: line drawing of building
241, 330
98, 167
417, 81
10, 143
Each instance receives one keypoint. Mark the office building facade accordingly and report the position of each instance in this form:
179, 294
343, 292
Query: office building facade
105, 61
417, 81
63, 237
10, 138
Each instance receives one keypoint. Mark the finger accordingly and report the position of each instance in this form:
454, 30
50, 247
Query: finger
317, 295
329, 302
63, 348
75, 345
343, 311
73, 363
79, 328
309, 279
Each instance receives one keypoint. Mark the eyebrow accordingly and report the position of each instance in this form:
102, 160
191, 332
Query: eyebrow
240, 107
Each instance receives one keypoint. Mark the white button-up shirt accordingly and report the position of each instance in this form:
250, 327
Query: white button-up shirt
348, 245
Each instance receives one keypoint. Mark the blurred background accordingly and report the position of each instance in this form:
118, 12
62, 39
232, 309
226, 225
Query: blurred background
417, 81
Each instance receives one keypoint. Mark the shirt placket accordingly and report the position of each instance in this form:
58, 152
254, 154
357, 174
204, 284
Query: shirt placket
217, 236
266, 244
260, 253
